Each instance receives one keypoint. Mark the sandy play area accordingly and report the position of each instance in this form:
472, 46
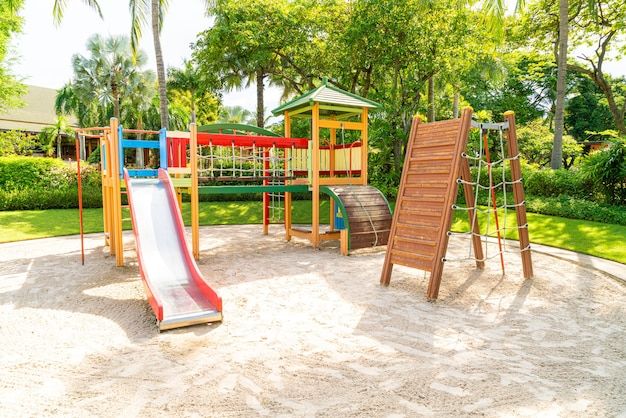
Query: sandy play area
307, 333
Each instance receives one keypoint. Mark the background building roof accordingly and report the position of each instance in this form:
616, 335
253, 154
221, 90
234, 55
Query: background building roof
37, 112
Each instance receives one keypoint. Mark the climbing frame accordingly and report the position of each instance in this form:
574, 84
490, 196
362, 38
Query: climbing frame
434, 166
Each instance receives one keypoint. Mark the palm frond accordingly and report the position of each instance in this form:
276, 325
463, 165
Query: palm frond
138, 17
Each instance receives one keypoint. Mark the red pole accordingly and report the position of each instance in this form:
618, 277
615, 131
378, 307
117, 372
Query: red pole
80, 201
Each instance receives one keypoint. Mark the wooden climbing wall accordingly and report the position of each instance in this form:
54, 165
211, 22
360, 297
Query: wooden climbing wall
428, 189
368, 214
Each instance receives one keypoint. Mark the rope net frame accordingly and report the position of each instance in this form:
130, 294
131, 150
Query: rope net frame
494, 211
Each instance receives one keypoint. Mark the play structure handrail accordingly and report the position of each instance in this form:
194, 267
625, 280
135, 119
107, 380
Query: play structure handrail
125, 143
260, 141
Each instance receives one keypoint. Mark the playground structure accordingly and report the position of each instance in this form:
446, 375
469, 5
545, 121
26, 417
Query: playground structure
208, 158
437, 161
231, 158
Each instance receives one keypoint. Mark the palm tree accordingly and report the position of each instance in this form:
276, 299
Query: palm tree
140, 92
139, 10
189, 80
106, 71
54, 134
236, 114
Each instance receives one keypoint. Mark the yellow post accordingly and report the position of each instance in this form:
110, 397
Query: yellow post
109, 191
105, 219
117, 198
195, 214
315, 183
364, 152
333, 142
287, 194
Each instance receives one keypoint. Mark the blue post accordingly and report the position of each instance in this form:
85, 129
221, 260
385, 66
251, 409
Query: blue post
163, 148
120, 138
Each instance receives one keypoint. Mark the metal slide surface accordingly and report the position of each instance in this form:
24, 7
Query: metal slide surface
176, 290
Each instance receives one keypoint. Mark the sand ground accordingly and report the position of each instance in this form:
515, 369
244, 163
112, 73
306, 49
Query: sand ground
307, 333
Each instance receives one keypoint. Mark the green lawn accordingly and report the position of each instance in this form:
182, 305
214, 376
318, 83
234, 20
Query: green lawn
594, 238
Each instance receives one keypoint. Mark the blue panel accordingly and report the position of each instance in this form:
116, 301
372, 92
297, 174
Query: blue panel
340, 223
144, 172
163, 149
134, 143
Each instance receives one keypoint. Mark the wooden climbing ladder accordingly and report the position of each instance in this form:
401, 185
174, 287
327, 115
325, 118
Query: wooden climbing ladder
434, 166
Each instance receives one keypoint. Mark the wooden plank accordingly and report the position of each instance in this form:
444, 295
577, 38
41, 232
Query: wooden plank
385, 276
437, 269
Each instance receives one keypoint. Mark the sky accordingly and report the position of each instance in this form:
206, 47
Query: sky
44, 50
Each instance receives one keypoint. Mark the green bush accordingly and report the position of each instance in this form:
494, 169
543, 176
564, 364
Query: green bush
568, 207
18, 143
606, 171
553, 183
45, 183
17, 172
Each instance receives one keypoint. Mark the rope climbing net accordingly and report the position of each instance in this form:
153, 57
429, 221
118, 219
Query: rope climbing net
243, 163
491, 201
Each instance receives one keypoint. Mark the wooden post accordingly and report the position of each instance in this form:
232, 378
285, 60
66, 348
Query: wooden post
195, 203
105, 189
117, 198
315, 167
518, 196
288, 155
474, 224
110, 192
364, 147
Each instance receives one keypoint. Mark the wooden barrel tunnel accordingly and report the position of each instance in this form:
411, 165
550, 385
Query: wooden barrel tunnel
366, 212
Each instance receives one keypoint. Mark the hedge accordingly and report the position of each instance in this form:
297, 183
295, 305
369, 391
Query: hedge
45, 183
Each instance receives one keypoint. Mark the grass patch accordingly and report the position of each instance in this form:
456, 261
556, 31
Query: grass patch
594, 238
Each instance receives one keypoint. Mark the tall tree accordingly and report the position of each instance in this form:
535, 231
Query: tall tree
604, 27
139, 10
561, 78
191, 81
10, 22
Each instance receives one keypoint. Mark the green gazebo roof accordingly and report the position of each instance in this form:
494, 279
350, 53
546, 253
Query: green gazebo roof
327, 94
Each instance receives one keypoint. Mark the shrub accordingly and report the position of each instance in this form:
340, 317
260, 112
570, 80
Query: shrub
606, 170
18, 143
568, 207
552, 183
536, 142
17, 172
45, 183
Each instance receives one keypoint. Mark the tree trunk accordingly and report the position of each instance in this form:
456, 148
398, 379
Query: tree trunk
616, 112
557, 147
260, 106
139, 160
455, 104
431, 99
116, 100
193, 108
59, 145
156, 33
